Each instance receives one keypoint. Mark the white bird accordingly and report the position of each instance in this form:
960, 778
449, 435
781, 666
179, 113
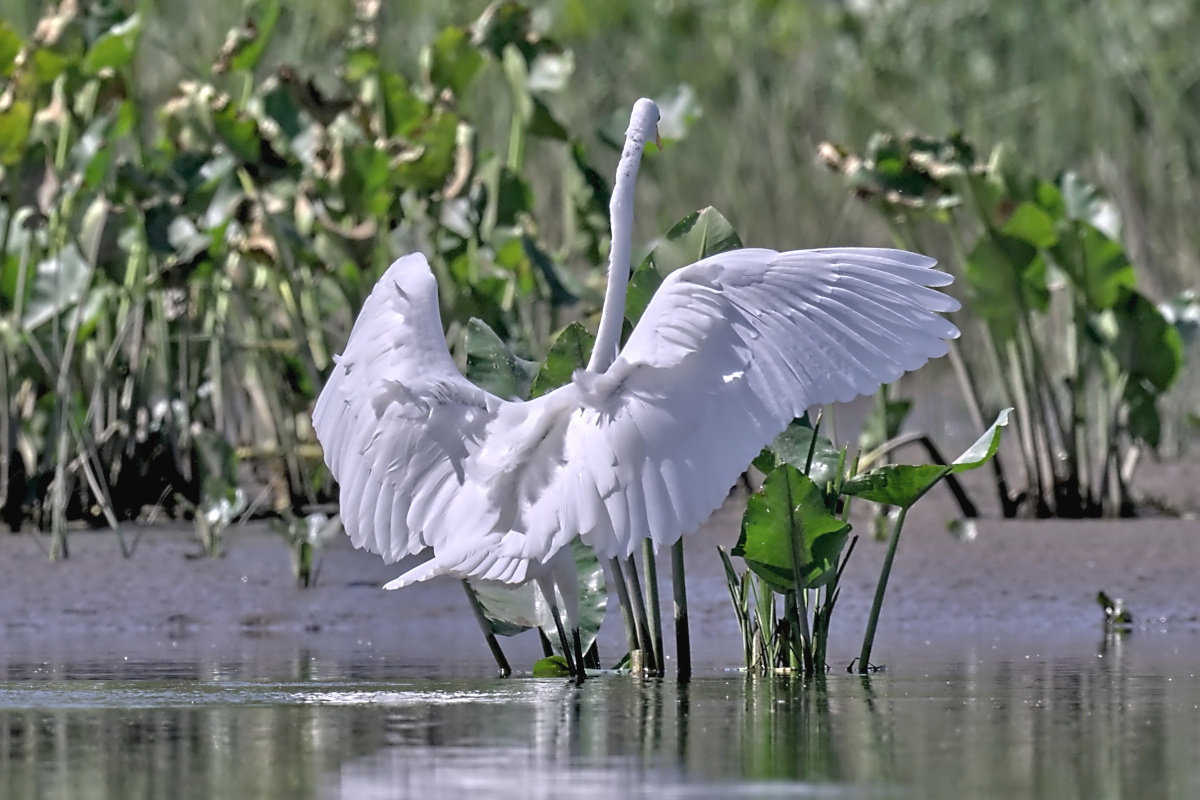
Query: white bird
646, 441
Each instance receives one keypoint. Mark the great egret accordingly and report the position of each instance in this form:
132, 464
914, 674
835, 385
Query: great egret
646, 441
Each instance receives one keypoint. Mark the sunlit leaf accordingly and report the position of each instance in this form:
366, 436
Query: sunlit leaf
1007, 279
793, 447
403, 110
453, 62
679, 108
10, 45
787, 520
435, 141
1084, 203
1096, 265
1031, 224
570, 351
699, 235
14, 131
493, 367
642, 286
551, 667
903, 484
115, 47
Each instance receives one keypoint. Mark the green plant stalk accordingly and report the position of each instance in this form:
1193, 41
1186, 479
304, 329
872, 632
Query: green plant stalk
741, 606
623, 600
652, 602
492, 643
864, 657
640, 619
683, 636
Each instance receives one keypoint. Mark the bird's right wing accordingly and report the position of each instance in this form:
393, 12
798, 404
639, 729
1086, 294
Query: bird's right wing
397, 420
728, 352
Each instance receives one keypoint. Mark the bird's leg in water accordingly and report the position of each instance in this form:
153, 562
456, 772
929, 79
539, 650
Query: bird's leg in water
652, 604
626, 607
641, 623
580, 669
547, 587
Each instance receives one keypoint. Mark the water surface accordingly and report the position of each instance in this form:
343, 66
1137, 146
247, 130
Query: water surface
274, 718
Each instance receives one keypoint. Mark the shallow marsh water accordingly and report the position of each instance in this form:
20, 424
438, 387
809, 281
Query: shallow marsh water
284, 717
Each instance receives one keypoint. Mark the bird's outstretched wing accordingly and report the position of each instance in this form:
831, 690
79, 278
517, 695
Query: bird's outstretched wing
397, 421
728, 352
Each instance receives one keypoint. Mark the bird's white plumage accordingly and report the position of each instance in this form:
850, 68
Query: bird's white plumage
728, 352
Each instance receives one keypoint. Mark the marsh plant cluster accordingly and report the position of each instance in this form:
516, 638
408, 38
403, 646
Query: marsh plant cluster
175, 277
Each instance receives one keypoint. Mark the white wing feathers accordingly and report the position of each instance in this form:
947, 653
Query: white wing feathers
728, 352
397, 419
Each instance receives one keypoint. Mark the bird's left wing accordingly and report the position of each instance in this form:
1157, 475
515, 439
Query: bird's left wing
728, 352
397, 421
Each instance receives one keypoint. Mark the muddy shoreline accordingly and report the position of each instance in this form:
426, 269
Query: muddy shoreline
1016, 580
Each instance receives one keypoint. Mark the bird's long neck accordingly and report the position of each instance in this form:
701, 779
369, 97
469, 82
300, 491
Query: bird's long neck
620, 210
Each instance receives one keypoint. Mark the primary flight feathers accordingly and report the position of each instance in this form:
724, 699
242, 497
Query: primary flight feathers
728, 352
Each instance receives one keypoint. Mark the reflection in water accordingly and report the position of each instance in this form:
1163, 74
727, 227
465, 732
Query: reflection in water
1098, 725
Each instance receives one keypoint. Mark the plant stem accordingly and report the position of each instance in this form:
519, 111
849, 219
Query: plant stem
641, 621
683, 637
864, 658
652, 602
626, 606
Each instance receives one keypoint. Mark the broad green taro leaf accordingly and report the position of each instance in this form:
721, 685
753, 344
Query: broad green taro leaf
570, 351
904, 484
493, 367
789, 538
1095, 264
793, 447
699, 235
1007, 279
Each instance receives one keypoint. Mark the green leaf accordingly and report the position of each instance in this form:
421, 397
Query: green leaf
239, 132
642, 286
1146, 345
10, 46
1144, 421
115, 48
513, 609
366, 182
788, 516
551, 667
792, 447
699, 235
453, 62
264, 14
514, 198
59, 283
434, 143
543, 124
14, 131
570, 351
1007, 279
492, 366
1096, 266
403, 111
904, 484
1031, 223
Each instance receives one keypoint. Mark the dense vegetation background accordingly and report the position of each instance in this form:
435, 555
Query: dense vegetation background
185, 246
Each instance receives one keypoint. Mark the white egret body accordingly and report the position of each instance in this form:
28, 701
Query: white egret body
646, 442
